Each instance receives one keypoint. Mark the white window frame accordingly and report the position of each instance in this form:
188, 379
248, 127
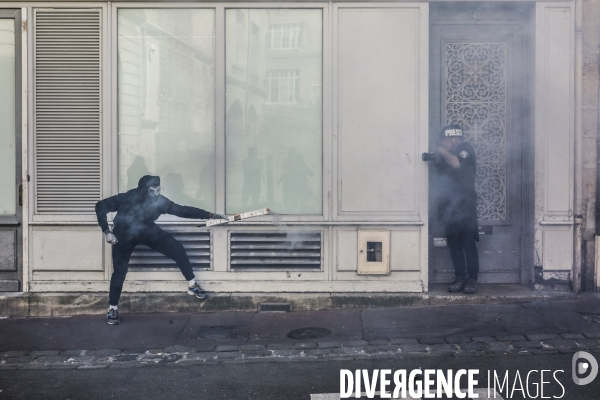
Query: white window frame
220, 105
294, 27
289, 79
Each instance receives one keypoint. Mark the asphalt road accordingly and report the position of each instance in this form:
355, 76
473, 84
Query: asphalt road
277, 381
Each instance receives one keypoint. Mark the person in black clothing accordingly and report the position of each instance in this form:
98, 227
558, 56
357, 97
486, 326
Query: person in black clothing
137, 209
456, 166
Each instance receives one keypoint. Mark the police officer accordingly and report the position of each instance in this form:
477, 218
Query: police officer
455, 163
137, 209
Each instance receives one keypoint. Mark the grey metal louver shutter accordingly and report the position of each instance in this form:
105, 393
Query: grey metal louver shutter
196, 245
67, 110
275, 250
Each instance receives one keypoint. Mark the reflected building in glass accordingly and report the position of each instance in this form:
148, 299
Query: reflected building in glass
273, 110
166, 101
7, 118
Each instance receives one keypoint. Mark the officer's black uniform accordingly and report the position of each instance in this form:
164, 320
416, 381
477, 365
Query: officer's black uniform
134, 224
458, 210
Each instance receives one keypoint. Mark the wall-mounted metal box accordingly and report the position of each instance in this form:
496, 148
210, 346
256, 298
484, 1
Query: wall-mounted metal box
373, 253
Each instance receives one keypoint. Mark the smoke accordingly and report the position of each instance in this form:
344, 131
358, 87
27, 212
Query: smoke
295, 238
453, 190
276, 217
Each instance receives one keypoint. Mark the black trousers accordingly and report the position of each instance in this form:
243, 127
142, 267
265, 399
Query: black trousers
155, 238
462, 246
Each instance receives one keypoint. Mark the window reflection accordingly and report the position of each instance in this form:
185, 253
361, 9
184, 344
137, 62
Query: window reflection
252, 168
166, 101
295, 180
283, 86
8, 204
273, 120
284, 36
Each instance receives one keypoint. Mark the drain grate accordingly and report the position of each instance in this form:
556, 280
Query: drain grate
275, 307
217, 333
308, 333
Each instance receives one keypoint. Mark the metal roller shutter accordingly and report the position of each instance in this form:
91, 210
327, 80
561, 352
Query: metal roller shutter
67, 110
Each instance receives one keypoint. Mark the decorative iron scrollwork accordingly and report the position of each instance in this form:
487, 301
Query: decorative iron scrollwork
476, 100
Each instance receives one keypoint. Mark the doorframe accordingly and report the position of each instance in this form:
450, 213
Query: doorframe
528, 153
527, 22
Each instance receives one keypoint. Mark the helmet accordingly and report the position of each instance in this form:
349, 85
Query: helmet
451, 131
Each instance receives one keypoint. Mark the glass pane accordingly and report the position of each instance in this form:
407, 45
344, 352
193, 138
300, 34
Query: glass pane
166, 101
273, 127
8, 205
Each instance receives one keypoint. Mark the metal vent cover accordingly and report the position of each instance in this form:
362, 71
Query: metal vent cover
274, 307
67, 80
293, 250
196, 244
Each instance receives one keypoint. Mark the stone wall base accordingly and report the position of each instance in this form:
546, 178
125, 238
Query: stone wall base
64, 304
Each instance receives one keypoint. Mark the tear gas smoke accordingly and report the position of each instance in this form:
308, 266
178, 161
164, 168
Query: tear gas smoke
276, 218
295, 238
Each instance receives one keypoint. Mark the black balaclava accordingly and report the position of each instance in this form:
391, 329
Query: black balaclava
148, 181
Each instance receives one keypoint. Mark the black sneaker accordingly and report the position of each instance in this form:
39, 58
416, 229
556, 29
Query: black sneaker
197, 291
457, 285
113, 317
471, 286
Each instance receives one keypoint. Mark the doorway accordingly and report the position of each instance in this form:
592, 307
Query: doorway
480, 62
11, 268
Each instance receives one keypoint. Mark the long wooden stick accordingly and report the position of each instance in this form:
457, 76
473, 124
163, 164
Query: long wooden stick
238, 217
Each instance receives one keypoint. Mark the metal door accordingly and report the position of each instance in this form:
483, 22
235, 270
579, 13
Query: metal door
10, 152
478, 67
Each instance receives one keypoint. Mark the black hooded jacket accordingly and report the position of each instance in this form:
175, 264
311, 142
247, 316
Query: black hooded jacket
136, 208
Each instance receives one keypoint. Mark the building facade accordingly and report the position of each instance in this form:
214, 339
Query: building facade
319, 111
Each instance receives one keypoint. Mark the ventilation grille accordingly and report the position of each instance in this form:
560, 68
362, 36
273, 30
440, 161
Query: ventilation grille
275, 250
196, 245
67, 102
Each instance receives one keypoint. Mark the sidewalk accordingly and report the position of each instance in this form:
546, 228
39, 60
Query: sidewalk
418, 331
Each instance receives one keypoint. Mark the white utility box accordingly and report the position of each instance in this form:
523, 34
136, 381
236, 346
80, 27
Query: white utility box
373, 253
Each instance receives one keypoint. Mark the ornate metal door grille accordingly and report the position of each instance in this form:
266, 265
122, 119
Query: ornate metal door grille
476, 100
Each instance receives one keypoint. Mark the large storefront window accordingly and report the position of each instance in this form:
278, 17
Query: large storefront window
166, 116
273, 121
7, 117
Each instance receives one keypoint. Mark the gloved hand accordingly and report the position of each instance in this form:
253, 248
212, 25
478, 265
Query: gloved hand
220, 216
110, 237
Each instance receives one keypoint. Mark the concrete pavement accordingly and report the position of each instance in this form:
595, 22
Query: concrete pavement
402, 332
268, 381
168, 329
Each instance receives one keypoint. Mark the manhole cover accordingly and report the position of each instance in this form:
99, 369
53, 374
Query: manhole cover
217, 333
308, 333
